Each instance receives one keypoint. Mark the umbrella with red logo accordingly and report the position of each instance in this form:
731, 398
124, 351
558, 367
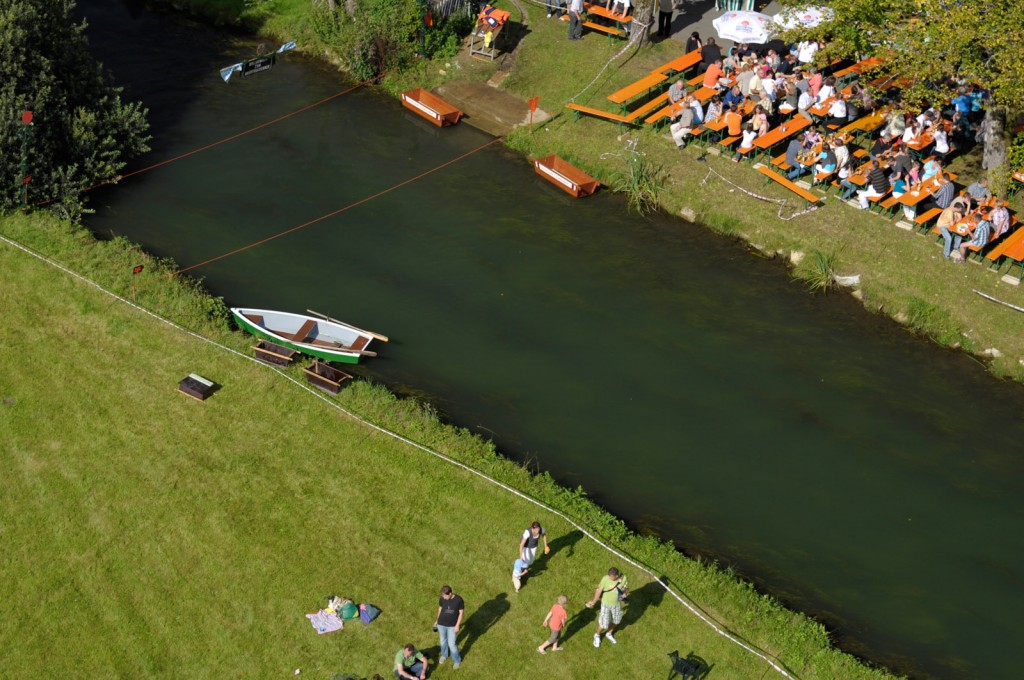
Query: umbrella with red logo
808, 17
743, 26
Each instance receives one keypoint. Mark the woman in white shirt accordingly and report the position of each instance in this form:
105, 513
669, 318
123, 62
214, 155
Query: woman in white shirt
941, 148
827, 91
912, 132
806, 50
837, 112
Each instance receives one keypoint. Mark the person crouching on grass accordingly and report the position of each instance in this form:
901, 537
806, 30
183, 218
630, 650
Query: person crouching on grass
555, 622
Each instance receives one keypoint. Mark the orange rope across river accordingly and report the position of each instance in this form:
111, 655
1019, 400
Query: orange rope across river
340, 210
223, 141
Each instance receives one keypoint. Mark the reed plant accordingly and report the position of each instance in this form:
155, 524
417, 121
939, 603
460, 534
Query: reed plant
818, 270
641, 182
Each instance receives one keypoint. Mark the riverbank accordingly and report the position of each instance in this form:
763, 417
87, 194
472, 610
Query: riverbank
233, 541
902, 274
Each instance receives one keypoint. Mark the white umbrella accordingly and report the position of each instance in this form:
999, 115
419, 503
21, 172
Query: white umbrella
748, 27
808, 17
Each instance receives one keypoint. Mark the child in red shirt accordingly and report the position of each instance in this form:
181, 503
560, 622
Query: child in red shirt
555, 620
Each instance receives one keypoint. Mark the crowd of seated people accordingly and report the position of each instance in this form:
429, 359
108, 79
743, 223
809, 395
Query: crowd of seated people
752, 93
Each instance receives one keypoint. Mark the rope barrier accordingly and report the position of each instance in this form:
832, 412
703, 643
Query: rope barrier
781, 202
206, 147
717, 628
338, 211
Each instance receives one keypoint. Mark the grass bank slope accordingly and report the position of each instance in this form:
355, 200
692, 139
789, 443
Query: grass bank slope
157, 536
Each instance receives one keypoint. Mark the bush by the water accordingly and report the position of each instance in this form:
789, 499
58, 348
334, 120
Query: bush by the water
82, 133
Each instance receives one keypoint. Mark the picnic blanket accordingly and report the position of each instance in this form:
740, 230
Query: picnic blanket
325, 622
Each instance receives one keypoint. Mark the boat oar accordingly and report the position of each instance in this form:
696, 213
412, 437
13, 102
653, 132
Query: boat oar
376, 336
360, 352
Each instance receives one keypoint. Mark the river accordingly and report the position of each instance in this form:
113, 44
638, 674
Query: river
856, 472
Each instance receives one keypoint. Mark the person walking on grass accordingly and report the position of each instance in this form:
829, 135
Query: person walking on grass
450, 609
532, 537
555, 622
519, 569
410, 663
611, 592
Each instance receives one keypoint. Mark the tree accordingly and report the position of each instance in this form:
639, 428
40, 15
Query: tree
938, 45
82, 133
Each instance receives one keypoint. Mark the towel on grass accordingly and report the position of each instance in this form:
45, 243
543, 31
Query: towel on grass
325, 622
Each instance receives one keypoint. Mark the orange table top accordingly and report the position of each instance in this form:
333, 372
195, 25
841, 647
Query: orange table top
859, 67
600, 11
680, 63
821, 110
639, 87
927, 188
782, 132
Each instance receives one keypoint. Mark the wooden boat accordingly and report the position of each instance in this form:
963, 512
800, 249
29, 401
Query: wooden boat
324, 338
570, 179
430, 106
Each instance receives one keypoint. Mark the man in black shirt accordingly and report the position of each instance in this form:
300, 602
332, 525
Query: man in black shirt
449, 617
877, 184
880, 145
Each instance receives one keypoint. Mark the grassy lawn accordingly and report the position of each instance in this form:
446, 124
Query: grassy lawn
157, 536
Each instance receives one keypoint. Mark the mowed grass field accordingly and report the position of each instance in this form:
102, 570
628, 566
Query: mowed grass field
146, 534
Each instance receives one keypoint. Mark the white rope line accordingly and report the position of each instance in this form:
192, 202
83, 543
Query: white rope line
359, 419
781, 202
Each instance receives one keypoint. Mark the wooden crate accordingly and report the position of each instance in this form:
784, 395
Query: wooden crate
197, 387
273, 354
325, 377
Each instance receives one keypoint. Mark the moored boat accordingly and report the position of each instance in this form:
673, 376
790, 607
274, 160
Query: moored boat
430, 106
325, 338
566, 177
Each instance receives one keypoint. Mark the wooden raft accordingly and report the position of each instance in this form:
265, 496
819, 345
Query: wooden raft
430, 106
570, 179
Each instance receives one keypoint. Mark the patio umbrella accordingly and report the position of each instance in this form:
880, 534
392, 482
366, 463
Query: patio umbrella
807, 17
743, 26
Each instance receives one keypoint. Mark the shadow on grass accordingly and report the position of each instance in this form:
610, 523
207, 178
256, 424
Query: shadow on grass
583, 619
565, 542
650, 595
480, 621
690, 667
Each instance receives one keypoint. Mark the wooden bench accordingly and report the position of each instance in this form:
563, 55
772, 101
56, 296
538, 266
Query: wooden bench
609, 30
995, 255
779, 179
598, 113
255, 318
644, 109
924, 218
304, 331
823, 178
727, 142
780, 163
890, 204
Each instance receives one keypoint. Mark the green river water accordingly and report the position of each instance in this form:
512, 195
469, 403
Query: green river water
854, 471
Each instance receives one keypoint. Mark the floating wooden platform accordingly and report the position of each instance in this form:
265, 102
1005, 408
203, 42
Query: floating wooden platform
570, 179
430, 106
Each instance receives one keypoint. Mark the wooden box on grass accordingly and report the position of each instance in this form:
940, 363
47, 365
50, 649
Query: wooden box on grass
196, 386
324, 377
273, 354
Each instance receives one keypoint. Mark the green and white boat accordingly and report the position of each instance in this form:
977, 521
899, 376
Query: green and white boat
318, 336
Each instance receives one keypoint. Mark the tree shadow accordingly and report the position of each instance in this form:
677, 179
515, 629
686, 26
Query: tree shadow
480, 621
650, 595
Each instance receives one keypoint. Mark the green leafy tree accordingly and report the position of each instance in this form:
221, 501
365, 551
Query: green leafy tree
82, 133
936, 44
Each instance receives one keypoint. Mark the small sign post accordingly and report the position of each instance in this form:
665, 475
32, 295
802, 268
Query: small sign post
136, 270
25, 132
